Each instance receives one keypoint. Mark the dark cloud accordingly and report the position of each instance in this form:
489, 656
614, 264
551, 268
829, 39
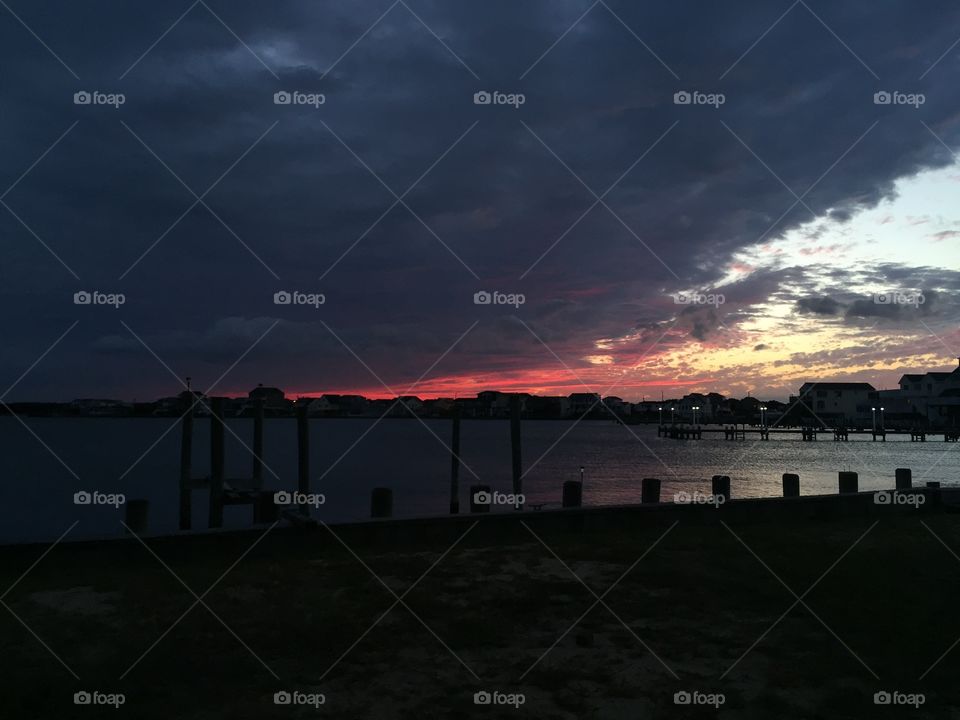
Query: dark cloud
819, 306
299, 205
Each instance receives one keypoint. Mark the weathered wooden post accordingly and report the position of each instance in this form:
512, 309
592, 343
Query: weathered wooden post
791, 485
186, 458
572, 493
303, 453
480, 498
455, 462
381, 503
217, 448
650, 491
847, 482
720, 486
265, 508
515, 445
257, 443
137, 512
904, 478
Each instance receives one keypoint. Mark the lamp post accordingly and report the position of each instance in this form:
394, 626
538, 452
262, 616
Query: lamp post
696, 408
763, 416
882, 426
660, 410
671, 415
873, 418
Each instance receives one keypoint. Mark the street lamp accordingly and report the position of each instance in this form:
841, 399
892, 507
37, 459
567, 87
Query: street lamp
763, 416
882, 426
873, 415
695, 409
660, 410
671, 415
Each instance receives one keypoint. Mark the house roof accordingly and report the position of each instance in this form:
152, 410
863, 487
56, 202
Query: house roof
807, 386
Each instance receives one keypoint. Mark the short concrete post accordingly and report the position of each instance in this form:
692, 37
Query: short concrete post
137, 512
720, 486
572, 494
791, 485
847, 482
265, 508
904, 478
480, 498
933, 484
381, 503
650, 491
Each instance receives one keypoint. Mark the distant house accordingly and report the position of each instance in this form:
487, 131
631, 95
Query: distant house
273, 398
581, 403
839, 402
98, 407
929, 398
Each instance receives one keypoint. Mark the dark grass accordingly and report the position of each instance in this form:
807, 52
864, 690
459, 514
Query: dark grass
498, 600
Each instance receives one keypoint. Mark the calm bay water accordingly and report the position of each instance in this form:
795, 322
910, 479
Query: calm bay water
135, 457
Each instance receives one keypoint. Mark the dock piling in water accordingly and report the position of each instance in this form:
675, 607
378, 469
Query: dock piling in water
258, 444
303, 453
217, 458
455, 462
515, 444
186, 469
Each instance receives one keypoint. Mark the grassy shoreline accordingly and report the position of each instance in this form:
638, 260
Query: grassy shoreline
299, 600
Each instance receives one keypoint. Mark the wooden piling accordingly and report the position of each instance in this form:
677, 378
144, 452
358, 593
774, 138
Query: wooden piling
381, 503
904, 478
137, 512
217, 458
455, 462
720, 486
847, 482
572, 493
257, 475
791, 485
186, 469
650, 491
303, 453
515, 445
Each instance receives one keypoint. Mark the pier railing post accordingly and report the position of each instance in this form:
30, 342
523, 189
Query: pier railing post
303, 453
455, 462
186, 465
515, 445
215, 516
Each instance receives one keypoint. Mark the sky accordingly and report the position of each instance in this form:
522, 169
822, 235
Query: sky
734, 243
